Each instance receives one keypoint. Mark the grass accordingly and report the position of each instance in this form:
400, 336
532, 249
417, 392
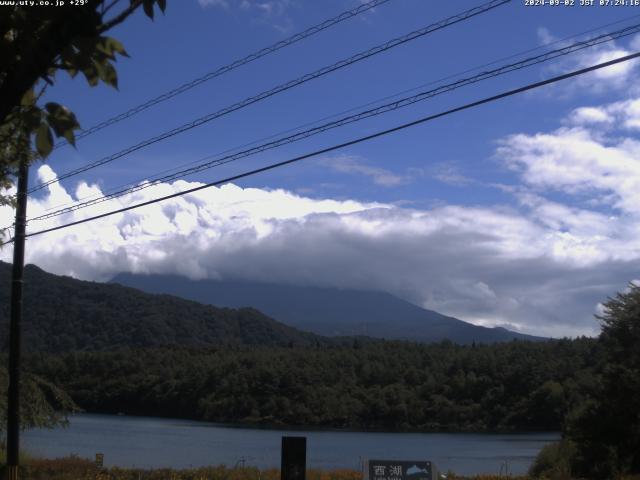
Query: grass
76, 468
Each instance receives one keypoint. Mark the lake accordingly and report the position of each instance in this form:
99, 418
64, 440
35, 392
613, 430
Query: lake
159, 442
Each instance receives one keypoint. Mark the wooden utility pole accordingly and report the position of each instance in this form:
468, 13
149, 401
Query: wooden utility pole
13, 404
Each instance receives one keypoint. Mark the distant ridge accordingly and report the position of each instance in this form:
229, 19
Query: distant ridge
327, 311
65, 314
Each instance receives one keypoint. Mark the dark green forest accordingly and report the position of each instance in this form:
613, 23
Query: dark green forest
382, 385
65, 314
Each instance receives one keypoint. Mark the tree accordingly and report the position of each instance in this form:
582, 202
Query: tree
48, 405
35, 44
606, 428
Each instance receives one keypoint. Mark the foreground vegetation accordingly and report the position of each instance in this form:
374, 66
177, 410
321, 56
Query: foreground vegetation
601, 434
75, 468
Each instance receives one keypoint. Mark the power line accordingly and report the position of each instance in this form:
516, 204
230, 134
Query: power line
283, 87
273, 166
382, 109
229, 67
115, 191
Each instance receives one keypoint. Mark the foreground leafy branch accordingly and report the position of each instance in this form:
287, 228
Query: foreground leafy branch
36, 44
44, 404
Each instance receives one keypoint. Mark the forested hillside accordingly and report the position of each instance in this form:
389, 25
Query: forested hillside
327, 311
64, 314
383, 385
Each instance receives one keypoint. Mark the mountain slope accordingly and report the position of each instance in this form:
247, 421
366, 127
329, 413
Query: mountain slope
327, 311
62, 314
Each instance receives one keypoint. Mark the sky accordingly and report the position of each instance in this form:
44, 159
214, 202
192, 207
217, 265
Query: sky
522, 213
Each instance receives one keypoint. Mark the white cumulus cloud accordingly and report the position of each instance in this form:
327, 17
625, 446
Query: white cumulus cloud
542, 265
576, 160
618, 76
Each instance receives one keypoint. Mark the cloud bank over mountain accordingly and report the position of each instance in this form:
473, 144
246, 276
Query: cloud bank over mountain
540, 265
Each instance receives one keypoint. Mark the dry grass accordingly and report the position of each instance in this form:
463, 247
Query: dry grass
76, 468
453, 476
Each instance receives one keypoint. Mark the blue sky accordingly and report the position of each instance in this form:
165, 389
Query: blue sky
192, 40
518, 213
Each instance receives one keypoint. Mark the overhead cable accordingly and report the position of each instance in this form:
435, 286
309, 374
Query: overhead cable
382, 109
467, 14
114, 191
381, 133
229, 67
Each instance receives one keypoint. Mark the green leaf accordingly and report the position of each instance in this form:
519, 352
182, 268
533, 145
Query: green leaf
70, 59
44, 140
104, 47
62, 121
32, 117
53, 108
70, 137
107, 73
110, 46
110, 76
147, 6
91, 74
162, 4
84, 59
28, 98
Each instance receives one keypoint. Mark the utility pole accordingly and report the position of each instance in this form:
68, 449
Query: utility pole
13, 404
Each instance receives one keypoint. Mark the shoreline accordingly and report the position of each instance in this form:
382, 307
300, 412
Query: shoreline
275, 426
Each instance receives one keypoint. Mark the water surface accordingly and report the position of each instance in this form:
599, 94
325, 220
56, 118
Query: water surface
159, 442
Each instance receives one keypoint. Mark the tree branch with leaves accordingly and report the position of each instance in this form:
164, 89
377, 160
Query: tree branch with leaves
36, 43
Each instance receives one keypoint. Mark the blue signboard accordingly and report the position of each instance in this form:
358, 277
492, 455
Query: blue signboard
400, 470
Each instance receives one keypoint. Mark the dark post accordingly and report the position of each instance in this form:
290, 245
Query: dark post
294, 458
13, 403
